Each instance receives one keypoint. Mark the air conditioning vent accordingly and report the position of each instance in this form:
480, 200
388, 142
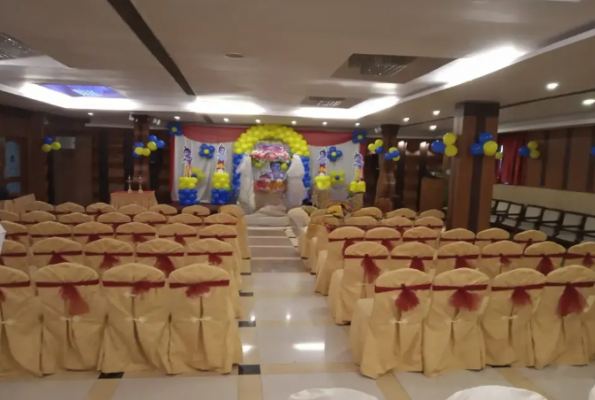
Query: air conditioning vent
11, 48
326, 101
379, 65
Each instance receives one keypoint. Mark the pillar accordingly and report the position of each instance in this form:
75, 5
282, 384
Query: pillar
471, 179
141, 164
385, 187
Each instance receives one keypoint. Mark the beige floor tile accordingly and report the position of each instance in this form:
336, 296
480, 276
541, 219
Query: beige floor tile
249, 387
315, 322
306, 368
249, 346
103, 389
517, 379
247, 285
248, 307
391, 388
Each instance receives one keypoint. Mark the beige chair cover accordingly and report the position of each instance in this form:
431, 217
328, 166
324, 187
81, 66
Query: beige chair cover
316, 238
500, 257
91, 231
39, 206
529, 237
506, 321
199, 211
368, 212
451, 333
559, 334
226, 232
241, 226
180, 233
204, 333
430, 222
399, 223
20, 325
299, 221
388, 237
115, 219
491, 235
421, 234
76, 218
68, 208
44, 230
163, 254
402, 212
164, 209
104, 254
364, 223
137, 334
98, 209
309, 209
132, 209
9, 216
220, 254
456, 235
364, 262
457, 255
414, 255
56, 250
16, 232
14, 255
391, 338
431, 213
331, 258
582, 254
543, 256
318, 213
150, 218
73, 317
187, 219
135, 233
35, 217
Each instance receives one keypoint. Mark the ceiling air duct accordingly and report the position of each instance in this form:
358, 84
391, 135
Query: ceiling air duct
379, 65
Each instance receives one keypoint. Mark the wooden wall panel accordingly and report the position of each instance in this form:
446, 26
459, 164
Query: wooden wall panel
579, 157
556, 150
533, 167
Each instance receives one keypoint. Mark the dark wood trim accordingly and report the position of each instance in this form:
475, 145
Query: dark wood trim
400, 175
591, 171
422, 171
475, 187
566, 165
557, 96
128, 162
103, 167
50, 177
543, 160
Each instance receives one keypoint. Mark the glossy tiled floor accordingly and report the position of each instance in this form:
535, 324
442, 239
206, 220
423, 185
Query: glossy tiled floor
290, 343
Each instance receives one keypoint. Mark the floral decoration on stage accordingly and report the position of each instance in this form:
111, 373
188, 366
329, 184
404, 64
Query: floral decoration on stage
270, 154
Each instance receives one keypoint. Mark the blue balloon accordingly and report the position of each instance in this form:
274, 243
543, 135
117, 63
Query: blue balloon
333, 148
524, 151
211, 148
477, 149
593, 151
204, 146
48, 140
160, 144
485, 137
388, 156
339, 153
136, 155
138, 144
438, 147
396, 154
379, 150
152, 138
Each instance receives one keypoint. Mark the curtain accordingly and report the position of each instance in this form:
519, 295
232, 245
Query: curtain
510, 168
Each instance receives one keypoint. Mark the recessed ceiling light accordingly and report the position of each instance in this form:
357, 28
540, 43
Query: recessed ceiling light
234, 55
436, 112
357, 124
406, 119
225, 119
551, 86
91, 114
177, 118
324, 123
258, 121
293, 122
433, 127
588, 102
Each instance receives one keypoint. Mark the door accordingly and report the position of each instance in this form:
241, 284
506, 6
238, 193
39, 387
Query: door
14, 166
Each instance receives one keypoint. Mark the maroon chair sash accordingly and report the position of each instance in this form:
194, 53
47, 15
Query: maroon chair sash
587, 259
93, 237
138, 237
15, 235
50, 235
198, 288
346, 242
139, 287
9, 255
163, 262
180, 238
12, 285
457, 240
58, 256
219, 237
109, 259
418, 239
214, 257
406, 300
429, 226
462, 297
545, 265
69, 293
505, 259
386, 242
416, 262
571, 301
460, 260
520, 297
371, 270
220, 223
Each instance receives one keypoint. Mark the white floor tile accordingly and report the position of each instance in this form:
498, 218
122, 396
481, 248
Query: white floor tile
293, 344
420, 387
310, 309
280, 387
171, 388
46, 390
288, 282
563, 382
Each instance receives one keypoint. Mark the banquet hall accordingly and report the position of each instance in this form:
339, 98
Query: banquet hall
297, 200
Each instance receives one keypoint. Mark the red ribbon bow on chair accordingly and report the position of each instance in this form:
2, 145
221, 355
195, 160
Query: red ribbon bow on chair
199, 288
218, 237
163, 263
406, 300
140, 237
109, 259
15, 235
371, 270
520, 297
571, 300
416, 262
58, 256
138, 287
460, 260
10, 286
587, 259
69, 292
214, 257
462, 297
181, 238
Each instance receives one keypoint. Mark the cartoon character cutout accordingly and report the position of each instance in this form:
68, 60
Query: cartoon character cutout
322, 161
221, 157
358, 163
187, 162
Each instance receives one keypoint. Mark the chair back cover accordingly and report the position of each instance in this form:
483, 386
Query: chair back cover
421, 234
56, 250
91, 231
402, 212
75, 218
16, 232
388, 237
399, 223
132, 209
164, 209
414, 255
432, 213
9, 216
491, 235
364, 223
68, 208
14, 255
316, 238
496, 393
39, 206
225, 232
499, 257
163, 254
135, 233
187, 219
506, 321
368, 212
35, 217
430, 222
318, 213
309, 209
20, 319
456, 235
137, 335
205, 333
394, 341
44, 230
582, 254
115, 219
150, 218
180, 233
98, 209
73, 317
544, 256
221, 219
529, 237
457, 255
452, 336
241, 226
107, 253
199, 211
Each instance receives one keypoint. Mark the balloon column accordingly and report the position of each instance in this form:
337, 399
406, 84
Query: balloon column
392, 155
485, 146
221, 188
334, 154
359, 136
49, 144
140, 150
376, 147
187, 192
357, 187
530, 150
449, 140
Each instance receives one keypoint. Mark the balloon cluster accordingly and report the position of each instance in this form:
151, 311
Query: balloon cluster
221, 188
206, 150
155, 143
236, 178
323, 182
49, 144
530, 150
334, 154
357, 187
337, 178
392, 155
188, 197
174, 129
359, 136
485, 146
376, 147
140, 150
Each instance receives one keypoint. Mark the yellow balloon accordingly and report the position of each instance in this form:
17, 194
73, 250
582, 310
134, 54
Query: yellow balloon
146, 152
378, 142
392, 149
490, 148
284, 167
360, 137
206, 151
227, 187
535, 154
532, 145
46, 148
217, 185
139, 151
191, 186
499, 156
449, 139
451, 150
152, 146
371, 147
56, 146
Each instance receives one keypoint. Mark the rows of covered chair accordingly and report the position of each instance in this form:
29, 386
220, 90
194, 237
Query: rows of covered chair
130, 318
